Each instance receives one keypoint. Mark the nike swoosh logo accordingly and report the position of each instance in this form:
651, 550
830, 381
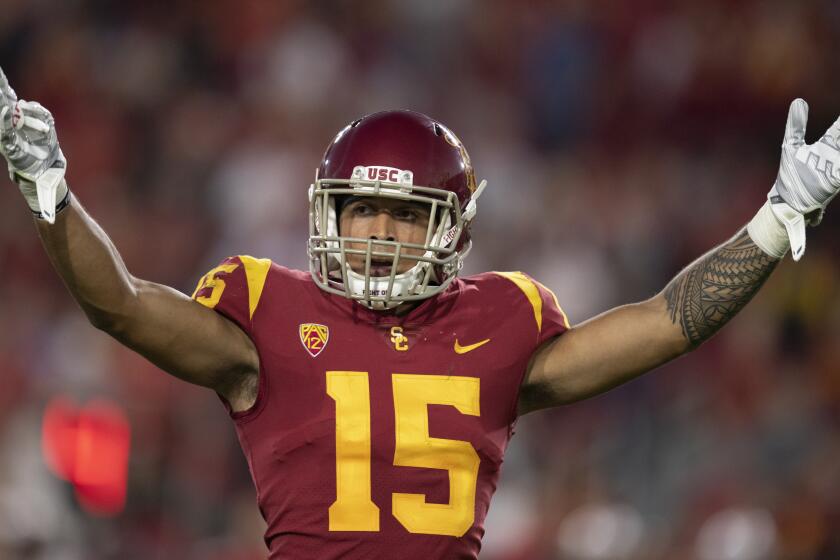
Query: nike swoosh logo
464, 349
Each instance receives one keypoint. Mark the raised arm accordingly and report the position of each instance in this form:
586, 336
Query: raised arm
174, 332
628, 341
177, 334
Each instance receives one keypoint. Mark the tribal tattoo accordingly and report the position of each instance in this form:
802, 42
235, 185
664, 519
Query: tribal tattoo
713, 289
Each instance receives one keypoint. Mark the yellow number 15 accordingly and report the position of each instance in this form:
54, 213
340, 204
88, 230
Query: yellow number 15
353, 509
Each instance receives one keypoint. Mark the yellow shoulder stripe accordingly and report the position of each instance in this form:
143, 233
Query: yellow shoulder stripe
256, 271
531, 292
556, 303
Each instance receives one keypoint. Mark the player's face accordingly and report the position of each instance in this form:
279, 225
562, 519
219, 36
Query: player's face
388, 220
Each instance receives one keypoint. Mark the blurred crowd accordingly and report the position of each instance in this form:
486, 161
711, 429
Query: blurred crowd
621, 140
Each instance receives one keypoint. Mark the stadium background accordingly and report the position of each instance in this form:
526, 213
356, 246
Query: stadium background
620, 140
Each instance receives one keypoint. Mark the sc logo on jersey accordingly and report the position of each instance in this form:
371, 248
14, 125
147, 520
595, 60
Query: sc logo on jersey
398, 339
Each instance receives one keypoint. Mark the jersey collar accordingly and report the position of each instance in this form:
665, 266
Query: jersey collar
427, 311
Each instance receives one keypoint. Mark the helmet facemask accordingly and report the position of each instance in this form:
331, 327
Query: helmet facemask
441, 254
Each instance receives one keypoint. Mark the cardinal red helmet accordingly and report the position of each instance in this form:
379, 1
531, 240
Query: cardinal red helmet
400, 155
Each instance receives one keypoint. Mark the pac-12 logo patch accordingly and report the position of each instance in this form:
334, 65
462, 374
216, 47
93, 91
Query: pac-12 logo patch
314, 337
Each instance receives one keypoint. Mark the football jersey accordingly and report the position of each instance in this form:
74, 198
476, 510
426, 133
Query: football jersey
375, 435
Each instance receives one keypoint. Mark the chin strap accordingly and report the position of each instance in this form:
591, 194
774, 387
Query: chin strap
403, 285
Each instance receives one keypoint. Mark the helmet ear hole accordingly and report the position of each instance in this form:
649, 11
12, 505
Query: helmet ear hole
438, 130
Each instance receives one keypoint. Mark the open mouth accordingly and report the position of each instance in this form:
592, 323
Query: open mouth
380, 267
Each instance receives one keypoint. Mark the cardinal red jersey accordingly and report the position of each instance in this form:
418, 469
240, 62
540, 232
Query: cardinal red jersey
377, 436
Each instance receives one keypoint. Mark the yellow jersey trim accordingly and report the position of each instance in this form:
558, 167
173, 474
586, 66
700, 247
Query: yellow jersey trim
556, 303
256, 271
531, 292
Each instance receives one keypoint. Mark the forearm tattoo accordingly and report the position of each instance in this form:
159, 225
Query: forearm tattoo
713, 289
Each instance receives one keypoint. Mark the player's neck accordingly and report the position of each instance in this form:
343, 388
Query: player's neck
405, 308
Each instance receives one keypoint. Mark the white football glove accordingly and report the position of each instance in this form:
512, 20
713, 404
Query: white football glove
809, 177
29, 143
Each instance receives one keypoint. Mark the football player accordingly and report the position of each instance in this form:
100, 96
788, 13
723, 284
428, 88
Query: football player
374, 395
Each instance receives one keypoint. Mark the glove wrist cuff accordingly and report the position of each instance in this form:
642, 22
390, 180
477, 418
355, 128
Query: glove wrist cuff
61, 205
30, 192
768, 232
